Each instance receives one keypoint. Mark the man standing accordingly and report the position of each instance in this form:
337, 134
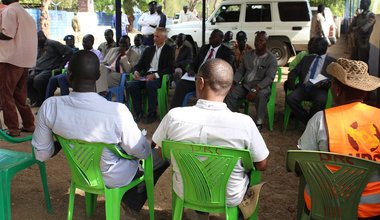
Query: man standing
70, 42
51, 55
162, 16
362, 27
215, 49
155, 62
118, 60
149, 21
201, 124
185, 15
18, 52
108, 44
314, 82
318, 23
254, 78
350, 128
76, 27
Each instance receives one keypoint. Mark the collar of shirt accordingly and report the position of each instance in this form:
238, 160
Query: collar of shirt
211, 105
85, 95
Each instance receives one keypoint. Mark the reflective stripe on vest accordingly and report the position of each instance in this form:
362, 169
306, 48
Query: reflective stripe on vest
354, 129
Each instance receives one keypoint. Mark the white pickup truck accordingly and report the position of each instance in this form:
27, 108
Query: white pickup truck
287, 23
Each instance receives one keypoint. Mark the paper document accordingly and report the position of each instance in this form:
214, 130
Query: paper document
188, 78
319, 78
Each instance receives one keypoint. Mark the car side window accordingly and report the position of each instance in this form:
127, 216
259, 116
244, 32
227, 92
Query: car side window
258, 13
294, 11
228, 13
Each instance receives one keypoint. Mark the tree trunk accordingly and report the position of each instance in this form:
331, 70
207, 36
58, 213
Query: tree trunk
192, 4
44, 17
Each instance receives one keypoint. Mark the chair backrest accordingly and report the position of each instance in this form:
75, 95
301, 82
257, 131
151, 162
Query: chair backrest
205, 172
335, 181
84, 162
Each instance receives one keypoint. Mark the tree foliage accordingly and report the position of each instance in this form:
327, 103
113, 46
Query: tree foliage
336, 6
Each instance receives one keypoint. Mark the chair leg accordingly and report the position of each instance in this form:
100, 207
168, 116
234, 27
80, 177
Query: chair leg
5, 200
177, 207
71, 201
112, 203
41, 165
90, 203
149, 182
287, 113
232, 213
270, 109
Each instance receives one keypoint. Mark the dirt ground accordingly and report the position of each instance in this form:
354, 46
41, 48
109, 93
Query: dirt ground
278, 199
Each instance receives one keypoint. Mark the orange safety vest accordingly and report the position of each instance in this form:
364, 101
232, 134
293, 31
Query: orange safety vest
354, 129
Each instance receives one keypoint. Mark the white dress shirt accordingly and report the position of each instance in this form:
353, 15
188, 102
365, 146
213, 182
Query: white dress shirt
214, 124
90, 117
148, 19
209, 51
155, 59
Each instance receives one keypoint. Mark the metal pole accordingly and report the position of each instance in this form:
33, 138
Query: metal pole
203, 22
118, 21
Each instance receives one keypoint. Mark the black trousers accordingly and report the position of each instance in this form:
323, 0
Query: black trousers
318, 97
37, 82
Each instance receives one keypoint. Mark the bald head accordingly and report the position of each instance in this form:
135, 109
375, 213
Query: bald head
82, 76
218, 76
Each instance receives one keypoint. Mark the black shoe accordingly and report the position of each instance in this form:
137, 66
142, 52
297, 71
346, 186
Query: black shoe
137, 117
150, 119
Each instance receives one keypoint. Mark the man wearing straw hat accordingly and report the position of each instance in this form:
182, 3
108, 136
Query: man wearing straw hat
351, 128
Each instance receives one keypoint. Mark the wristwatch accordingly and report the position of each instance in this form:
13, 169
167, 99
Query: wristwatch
253, 90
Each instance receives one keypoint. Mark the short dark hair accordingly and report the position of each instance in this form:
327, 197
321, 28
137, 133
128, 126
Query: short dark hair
78, 71
319, 46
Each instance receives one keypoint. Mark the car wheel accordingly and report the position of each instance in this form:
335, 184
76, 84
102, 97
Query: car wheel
280, 51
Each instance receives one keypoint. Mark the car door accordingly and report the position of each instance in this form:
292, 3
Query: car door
257, 17
226, 18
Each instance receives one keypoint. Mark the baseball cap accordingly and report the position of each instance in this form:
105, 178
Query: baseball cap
152, 3
241, 35
68, 37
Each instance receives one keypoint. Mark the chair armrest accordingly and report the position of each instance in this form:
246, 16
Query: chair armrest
117, 151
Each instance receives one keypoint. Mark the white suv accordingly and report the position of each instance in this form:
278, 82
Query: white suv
287, 23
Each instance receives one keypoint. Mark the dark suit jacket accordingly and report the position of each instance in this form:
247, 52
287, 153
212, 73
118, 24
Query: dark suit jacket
185, 57
165, 62
303, 67
223, 52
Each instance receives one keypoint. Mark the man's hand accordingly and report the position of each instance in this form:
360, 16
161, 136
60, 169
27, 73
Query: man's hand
251, 96
150, 77
136, 75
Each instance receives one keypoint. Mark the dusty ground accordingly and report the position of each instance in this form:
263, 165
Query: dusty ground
278, 200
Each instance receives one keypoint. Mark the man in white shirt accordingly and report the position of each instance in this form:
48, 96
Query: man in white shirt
186, 15
87, 116
149, 21
211, 122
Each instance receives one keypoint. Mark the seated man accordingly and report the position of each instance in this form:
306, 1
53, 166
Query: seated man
61, 79
202, 124
228, 40
110, 43
117, 61
155, 62
139, 47
183, 57
240, 48
51, 55
215, 49
91, 117
338, 129
70, 42
254, 78
314, 82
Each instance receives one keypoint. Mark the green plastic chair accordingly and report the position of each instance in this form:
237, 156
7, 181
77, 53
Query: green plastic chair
271, 102
288, 110
205, 172
11, 162
14, 140
84, 162
334, 195
162, 97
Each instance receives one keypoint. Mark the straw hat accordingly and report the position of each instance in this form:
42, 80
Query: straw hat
353, 73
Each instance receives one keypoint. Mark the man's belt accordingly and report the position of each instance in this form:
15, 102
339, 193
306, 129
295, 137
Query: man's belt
148, 35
